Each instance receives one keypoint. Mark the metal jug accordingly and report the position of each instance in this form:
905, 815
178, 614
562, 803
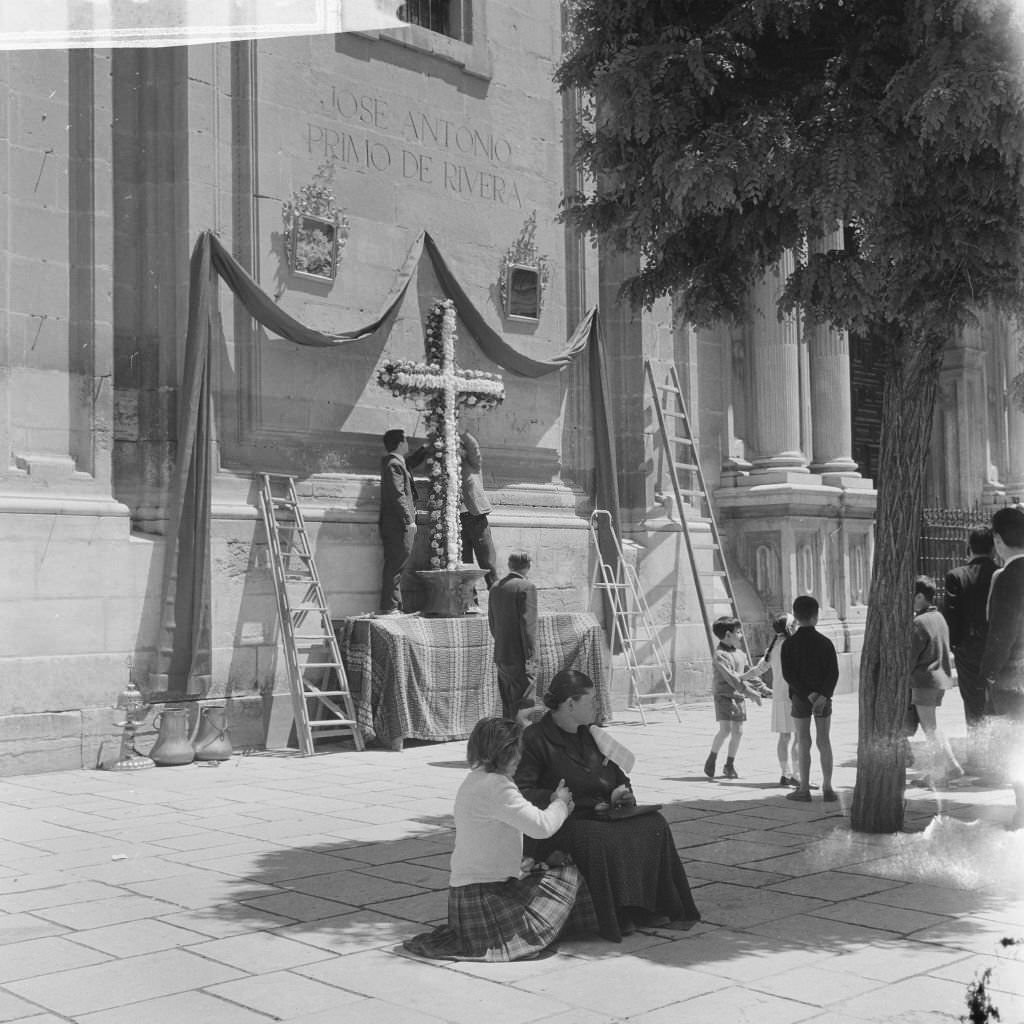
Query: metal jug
173, 745
213, 741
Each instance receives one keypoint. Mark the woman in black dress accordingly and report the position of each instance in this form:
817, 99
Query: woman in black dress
630, 864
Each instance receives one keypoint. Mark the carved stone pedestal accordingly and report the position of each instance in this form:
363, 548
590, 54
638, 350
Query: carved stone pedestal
449, 593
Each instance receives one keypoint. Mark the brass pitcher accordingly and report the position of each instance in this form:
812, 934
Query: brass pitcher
173, 745
213, 741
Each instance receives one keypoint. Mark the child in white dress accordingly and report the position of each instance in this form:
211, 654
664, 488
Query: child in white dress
782, 721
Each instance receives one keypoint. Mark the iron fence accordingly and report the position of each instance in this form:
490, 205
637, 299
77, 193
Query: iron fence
943, 541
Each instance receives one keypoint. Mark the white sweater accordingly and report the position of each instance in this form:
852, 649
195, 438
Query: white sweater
491, 816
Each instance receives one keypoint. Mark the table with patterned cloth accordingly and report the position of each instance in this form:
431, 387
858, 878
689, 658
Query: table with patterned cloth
434, 679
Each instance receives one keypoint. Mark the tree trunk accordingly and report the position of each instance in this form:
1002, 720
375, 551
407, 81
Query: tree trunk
907, 407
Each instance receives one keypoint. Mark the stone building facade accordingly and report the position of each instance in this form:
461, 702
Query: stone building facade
116, 161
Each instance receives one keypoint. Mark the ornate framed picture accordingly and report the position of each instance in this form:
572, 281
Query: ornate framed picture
523, 292
315, 233
314, 248
523, 277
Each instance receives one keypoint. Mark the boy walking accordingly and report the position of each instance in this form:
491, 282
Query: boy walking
731, 686
811, 668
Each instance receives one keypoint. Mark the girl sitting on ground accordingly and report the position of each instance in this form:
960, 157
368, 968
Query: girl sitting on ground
501, 907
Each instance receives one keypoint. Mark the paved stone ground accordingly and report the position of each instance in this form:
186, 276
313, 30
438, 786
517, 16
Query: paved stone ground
276, 887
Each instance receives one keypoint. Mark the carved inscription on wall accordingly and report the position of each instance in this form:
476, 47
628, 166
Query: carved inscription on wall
369, 134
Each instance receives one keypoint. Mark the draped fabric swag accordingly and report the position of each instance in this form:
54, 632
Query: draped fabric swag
184, 646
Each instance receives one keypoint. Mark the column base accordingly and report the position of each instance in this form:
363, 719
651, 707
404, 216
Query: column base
797, 476
841, 464
847, 481
795, 461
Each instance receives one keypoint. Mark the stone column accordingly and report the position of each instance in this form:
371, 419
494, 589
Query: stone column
55, 394
1014, 422
830, 391
578, 299
775, 359
150, 143
624, 356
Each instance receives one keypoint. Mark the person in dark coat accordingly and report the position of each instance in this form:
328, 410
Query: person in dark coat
964, 608
512, 617
397, 518
1002, 664
630, 865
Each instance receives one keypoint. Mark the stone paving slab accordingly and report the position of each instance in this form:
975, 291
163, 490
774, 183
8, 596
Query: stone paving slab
117, 982
174, 1009
259, 889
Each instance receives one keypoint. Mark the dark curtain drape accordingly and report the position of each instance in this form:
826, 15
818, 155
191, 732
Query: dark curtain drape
184, 646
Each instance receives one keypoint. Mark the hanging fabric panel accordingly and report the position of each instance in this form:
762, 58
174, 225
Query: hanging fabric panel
183, 666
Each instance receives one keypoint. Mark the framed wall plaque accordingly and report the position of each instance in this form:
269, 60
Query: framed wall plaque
524, 276
523, 292
315, 233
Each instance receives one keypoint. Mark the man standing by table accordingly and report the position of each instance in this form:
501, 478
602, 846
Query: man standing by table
397, 518
512, 617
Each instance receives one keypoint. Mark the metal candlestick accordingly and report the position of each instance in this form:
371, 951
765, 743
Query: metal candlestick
131, 702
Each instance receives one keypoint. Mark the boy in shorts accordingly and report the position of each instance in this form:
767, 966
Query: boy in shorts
731, 686
811, 668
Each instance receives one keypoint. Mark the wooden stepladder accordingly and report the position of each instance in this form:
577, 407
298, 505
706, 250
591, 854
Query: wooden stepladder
711, 580
644, 656
322, 710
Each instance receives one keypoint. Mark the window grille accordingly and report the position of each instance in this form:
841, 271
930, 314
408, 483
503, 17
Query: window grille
452, 18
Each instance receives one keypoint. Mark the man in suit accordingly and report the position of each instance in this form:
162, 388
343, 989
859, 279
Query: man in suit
1002, 664
476, 530
512, 616
967, 589
397, 518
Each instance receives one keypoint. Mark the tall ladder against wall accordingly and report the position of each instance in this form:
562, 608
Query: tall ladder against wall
711, 580
306, 628
633, 630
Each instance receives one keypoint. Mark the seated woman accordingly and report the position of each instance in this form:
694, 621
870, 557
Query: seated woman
500, 907
631, 866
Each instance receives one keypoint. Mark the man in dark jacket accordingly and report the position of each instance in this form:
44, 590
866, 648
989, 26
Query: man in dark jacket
397, 518
967, 589
1002, 664
512, 617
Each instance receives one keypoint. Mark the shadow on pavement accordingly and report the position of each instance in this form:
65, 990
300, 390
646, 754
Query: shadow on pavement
768, 876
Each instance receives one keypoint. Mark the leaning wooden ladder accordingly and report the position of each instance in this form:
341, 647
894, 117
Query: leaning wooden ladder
306, 628
711, 580
633, 629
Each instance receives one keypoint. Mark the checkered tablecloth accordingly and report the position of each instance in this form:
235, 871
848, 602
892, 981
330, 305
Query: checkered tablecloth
434, 679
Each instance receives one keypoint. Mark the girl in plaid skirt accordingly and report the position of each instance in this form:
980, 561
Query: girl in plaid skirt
499, 907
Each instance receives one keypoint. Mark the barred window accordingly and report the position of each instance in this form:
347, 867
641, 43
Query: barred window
452, 18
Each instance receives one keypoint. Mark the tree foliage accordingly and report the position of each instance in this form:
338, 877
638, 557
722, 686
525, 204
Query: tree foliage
719, 134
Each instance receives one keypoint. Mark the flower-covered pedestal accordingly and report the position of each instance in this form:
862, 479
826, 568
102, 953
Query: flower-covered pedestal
449, 593
442, 387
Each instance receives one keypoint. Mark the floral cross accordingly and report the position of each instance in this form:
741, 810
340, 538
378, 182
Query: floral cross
442, 387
